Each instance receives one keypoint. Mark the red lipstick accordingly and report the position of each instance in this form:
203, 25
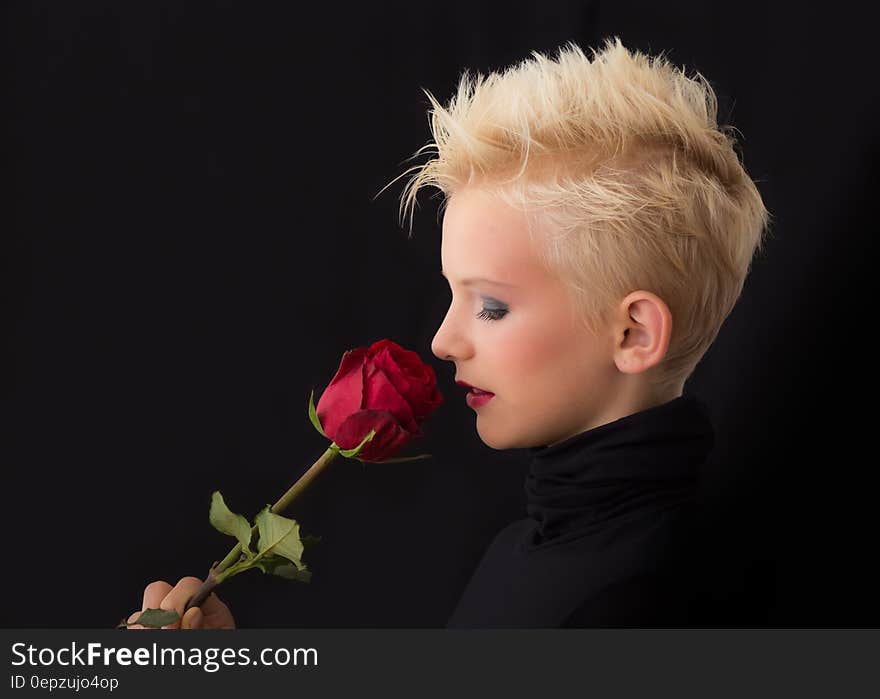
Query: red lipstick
476, 396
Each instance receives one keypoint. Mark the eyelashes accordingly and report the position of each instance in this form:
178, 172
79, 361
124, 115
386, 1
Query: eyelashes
492, 313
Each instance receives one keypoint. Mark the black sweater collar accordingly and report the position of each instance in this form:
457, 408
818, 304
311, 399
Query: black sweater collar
649, 459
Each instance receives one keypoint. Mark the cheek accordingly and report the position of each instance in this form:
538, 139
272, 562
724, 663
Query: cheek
530, 352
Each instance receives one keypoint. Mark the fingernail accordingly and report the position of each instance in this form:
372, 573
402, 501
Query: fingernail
197, 620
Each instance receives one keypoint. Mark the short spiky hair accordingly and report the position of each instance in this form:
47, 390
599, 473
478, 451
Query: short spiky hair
620, 163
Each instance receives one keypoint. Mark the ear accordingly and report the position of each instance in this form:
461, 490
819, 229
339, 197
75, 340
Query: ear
644, 326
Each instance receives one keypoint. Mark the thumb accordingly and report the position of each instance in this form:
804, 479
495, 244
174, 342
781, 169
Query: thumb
193, 619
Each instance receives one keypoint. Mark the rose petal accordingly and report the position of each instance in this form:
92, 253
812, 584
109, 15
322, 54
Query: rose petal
414, 380
396, 373
380, 394
344, 394
390, 437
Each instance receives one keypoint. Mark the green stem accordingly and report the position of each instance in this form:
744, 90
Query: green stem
215, 576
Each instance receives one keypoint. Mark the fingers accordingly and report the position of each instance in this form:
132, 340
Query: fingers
216, 614
192, 619
211, 614
178, 596
132, 617
154, 593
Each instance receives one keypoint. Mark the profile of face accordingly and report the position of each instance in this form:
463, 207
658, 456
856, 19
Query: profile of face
510, 331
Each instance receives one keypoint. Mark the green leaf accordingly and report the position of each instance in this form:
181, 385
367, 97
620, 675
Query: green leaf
280, 536
228, 522
291, 572
156, 618
353, 452
276, 565
313, 415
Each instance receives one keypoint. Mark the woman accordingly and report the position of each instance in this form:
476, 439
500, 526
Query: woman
598, 229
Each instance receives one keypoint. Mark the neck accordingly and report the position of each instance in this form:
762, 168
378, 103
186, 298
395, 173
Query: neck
647, 459
633, 394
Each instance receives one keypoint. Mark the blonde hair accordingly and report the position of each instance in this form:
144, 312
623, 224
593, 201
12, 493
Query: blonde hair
622, 166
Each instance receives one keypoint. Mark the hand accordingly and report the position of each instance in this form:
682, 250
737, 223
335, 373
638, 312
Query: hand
213, 614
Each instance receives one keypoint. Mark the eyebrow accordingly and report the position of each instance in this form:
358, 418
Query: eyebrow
475, 280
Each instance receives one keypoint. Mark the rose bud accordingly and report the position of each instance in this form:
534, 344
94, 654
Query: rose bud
383, 387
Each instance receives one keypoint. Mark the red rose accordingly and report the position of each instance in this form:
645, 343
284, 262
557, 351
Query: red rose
383, 387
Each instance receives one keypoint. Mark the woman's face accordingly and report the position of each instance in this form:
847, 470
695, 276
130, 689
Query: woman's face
510, 330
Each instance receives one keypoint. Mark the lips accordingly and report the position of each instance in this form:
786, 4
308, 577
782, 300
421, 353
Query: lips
474, 389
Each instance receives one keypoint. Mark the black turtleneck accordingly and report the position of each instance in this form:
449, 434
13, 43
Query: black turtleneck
609, 533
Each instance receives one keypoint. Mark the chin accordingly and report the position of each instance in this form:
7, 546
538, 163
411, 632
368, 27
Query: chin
493, 441
492, 444
502, 441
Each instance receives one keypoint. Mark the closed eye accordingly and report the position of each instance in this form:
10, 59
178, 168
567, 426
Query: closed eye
492, 313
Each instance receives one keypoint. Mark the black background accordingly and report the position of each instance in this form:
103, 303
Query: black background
191, 240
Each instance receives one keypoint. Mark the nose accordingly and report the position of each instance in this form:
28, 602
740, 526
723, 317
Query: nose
449, 342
